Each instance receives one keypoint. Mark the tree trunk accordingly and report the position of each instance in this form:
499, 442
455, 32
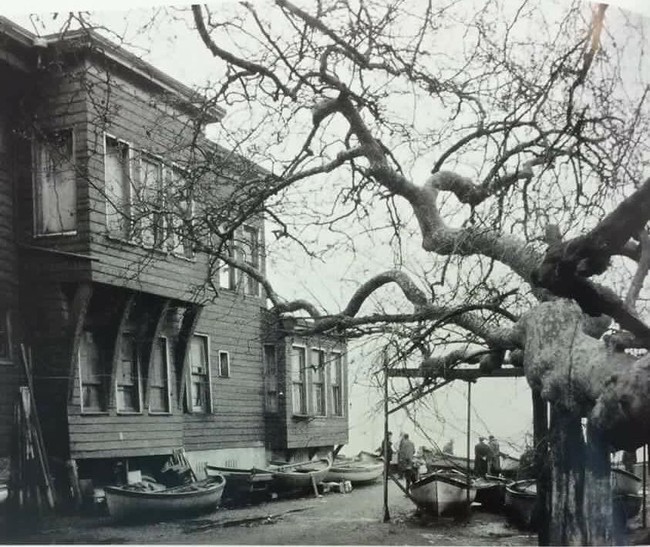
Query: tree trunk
542, 468
581, 499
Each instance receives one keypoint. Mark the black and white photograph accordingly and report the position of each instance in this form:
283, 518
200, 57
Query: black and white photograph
325, 272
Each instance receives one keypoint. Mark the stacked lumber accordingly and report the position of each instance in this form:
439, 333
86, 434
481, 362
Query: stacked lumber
30, 483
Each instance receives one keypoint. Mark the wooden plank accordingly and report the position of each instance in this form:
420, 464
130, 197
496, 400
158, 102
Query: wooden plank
188, 327
78, 314
126, 306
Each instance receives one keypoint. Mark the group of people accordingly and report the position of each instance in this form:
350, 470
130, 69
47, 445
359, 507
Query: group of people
405, 455
487, 457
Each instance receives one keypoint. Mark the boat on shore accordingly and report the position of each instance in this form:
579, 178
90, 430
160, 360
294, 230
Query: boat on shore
491, 492
444, 493
242, 483
624, 482
301, 475
146, 501
520, 498
363, 469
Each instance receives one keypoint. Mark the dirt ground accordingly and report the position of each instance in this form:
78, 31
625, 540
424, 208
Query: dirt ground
355, 518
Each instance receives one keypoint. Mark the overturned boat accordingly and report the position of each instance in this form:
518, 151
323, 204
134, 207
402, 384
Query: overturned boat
362, 469
301, 475
443, 493
145, 501
242, 483
520, 498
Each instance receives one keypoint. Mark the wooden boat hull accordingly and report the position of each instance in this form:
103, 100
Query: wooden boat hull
241, 483
302, 475
442, 495
196, 497
624, 482
627, 506
355, 472
520, 497
491, 492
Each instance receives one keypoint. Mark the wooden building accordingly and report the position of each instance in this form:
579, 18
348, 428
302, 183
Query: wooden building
132, 357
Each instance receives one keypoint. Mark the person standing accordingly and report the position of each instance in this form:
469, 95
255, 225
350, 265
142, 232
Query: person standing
494, 463
481, 457
385, 450
405, 455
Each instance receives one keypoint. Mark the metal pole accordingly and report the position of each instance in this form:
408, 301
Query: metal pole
386, 458
469, 401
645, 479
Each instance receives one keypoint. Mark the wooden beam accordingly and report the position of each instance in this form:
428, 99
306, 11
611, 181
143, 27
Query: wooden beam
181, 355
127, 305
465, 374
77, 319
152, 335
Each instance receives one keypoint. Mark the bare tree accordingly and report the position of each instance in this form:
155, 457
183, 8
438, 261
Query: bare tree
507, 141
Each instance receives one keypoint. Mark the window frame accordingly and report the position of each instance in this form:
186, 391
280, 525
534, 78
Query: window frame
5, 317
138, 368
340, 384
219, 370
37, 190
270, 379
190, 405
167, 354
171, 237
127, 230
303, 375
156, 208
318, 371
251, 250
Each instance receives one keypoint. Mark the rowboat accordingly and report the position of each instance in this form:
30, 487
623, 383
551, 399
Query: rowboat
624, 482
443, 493
359, 470
139, 502
294, 476
491, 492
241, 483
520, 500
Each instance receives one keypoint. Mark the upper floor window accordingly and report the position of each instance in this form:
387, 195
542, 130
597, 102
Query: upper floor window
199, 370
180, 211
298, 383
55, 185
117, 172
251, 257
318, 381
129, 388
159, 392
336, 382
148, 202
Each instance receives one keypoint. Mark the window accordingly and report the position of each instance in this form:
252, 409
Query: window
224, 364
148, 202
55, 185
270, 379
128, 376
117, 183
159, 377
227, 274
336, 379
298, 385
93, 374
5, 337
200, 397
251, 257
318, 381
180, 210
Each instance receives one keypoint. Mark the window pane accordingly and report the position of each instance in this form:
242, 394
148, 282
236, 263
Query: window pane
93, 378
199, 384
56, 185
117, 187
159, 378
224, 364
128, 378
